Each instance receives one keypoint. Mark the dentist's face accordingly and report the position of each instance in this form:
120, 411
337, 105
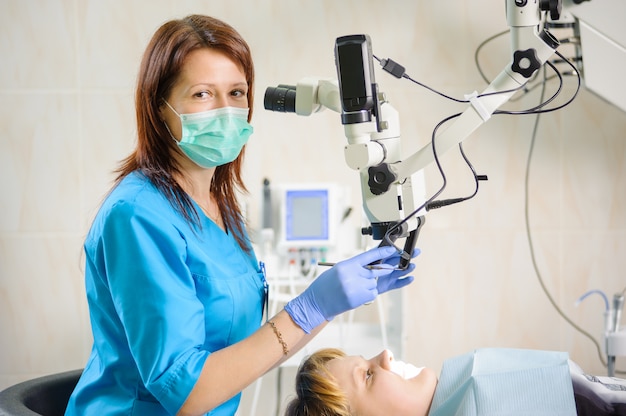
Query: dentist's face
208, 80
372, 389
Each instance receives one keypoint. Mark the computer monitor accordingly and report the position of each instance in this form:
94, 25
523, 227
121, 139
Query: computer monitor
307, 215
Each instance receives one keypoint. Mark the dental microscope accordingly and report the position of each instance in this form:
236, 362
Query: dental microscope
372, 126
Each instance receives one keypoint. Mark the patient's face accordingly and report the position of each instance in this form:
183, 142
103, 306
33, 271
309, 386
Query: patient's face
373, 389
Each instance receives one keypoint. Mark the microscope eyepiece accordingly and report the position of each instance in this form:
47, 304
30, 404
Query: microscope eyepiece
281, 98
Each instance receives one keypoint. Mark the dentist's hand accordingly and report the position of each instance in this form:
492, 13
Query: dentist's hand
396, 279
347, 285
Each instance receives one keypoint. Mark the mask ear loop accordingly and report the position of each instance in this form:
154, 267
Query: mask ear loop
170, 132
171, 108
165, 123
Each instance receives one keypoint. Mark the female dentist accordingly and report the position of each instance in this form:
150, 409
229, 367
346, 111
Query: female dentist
175, 291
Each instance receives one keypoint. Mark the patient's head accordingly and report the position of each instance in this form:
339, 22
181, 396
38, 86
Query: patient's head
331, 383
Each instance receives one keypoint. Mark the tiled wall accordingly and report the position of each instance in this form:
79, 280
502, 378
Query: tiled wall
66, 117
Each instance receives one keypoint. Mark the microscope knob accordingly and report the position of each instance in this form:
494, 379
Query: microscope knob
380, 178
525, 62
553, 6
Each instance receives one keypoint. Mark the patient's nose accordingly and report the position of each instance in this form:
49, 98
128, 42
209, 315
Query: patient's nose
384, 359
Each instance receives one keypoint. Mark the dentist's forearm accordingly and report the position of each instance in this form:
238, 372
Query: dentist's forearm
228, 371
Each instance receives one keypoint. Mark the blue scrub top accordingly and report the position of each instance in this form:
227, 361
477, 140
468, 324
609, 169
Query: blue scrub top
162, 296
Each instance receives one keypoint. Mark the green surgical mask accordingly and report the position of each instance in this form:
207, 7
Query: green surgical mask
215, 137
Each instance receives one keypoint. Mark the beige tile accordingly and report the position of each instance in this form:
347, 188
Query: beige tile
104, 143
40, 160
112, 38
43, 307
38, 43
594, 159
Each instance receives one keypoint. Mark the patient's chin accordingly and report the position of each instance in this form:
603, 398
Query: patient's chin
426, 381
424, 388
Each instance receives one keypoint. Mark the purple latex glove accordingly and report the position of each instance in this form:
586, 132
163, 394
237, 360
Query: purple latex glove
396, 279
347, 285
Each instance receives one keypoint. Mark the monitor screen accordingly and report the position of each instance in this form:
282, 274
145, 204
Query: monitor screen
306, 215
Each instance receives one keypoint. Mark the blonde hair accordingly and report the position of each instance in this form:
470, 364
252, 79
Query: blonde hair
317, 393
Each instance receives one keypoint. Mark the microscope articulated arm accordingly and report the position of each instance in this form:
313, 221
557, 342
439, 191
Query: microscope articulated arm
531, 50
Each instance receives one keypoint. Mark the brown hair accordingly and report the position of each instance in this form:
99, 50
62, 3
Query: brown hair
317, 393
161, 65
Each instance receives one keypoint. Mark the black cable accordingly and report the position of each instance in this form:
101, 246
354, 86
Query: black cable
528, 89
395, 227
477, 178
538, 113
539, 109
397, 70
478, 49
543, 103
531, 245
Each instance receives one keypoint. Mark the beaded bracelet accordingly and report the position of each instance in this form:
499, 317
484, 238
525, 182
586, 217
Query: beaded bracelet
280, 337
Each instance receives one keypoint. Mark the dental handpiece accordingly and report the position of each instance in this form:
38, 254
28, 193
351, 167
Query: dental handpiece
381, 266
